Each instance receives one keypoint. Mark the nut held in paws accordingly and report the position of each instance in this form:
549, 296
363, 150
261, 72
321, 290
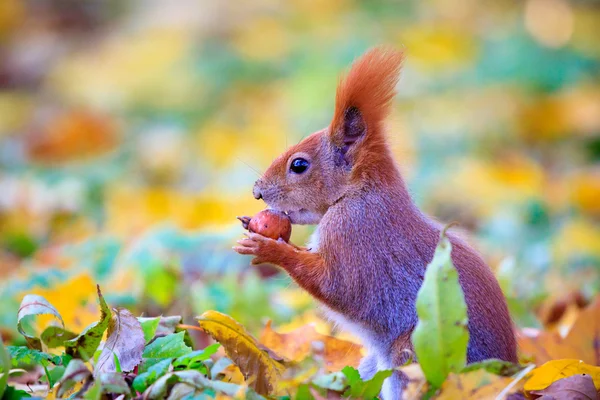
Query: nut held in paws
272, 224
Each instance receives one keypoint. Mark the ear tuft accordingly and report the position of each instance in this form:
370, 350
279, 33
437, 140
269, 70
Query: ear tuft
364, 96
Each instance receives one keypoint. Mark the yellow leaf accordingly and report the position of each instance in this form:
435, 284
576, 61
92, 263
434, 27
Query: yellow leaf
544, 376
74, 299
254, 360
478, 384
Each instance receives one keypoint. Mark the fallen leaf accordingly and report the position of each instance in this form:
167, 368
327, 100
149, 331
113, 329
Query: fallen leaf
478, 384
76, 372
575, 387
76, 300
195, 359
197, 382
30, 306
145, 379
113, 383
250, 356
360, 389
495, 366
300, 343
125, 341
172, 345
149, 326
441, 336
55, 336
580, 343
543, 376
4, 367
84, 345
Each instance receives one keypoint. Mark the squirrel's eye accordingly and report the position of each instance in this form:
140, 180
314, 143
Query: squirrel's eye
299, 165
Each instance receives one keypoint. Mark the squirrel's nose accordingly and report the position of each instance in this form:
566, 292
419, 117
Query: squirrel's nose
256, 192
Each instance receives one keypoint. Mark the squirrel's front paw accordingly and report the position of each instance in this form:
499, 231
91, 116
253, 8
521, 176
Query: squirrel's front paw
265, 249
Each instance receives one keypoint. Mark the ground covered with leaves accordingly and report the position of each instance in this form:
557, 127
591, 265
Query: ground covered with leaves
131, 134
154, 357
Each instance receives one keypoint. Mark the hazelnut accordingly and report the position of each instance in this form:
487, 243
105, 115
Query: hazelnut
272, 224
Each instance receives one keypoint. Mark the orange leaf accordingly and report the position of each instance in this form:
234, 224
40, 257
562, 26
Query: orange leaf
300, 343
580, 343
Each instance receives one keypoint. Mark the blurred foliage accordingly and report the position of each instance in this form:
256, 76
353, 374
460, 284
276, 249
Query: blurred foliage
131, 134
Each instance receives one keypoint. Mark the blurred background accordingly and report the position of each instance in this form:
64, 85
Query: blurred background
131, 133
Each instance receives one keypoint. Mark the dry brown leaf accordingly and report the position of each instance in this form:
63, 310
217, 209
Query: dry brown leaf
580, 343
474, 385
125, 341
300, 343
576, 387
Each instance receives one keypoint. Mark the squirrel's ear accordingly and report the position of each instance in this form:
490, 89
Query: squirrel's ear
364, 96
353, 126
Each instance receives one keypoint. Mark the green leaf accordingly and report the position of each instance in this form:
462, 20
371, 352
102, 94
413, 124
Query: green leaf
94, 392
125, 341
117, 363
84, 345
4, 367
13, 394
195, 359
145, 379
167, 346
31, 306
55, 336
24, 357
360, 389
304, 393
494, 366
441, 336
197, 383
53, 375
76, 372
149, 326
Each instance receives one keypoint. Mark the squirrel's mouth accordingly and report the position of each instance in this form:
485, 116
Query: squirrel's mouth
302, 216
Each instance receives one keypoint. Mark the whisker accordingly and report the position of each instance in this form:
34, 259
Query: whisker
249, 166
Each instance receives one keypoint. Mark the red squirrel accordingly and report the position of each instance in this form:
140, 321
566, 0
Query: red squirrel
367, 257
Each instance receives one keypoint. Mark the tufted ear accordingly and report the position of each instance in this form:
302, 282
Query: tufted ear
364, 96
353, 126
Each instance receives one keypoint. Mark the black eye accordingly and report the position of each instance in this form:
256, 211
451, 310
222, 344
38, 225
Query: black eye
299, 165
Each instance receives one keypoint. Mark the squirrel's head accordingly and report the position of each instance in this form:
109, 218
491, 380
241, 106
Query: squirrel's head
348, 155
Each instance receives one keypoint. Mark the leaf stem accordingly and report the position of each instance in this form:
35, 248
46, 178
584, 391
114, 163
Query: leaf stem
518, 377
196, 328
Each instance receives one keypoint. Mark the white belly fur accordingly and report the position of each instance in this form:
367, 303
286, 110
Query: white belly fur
366, 337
